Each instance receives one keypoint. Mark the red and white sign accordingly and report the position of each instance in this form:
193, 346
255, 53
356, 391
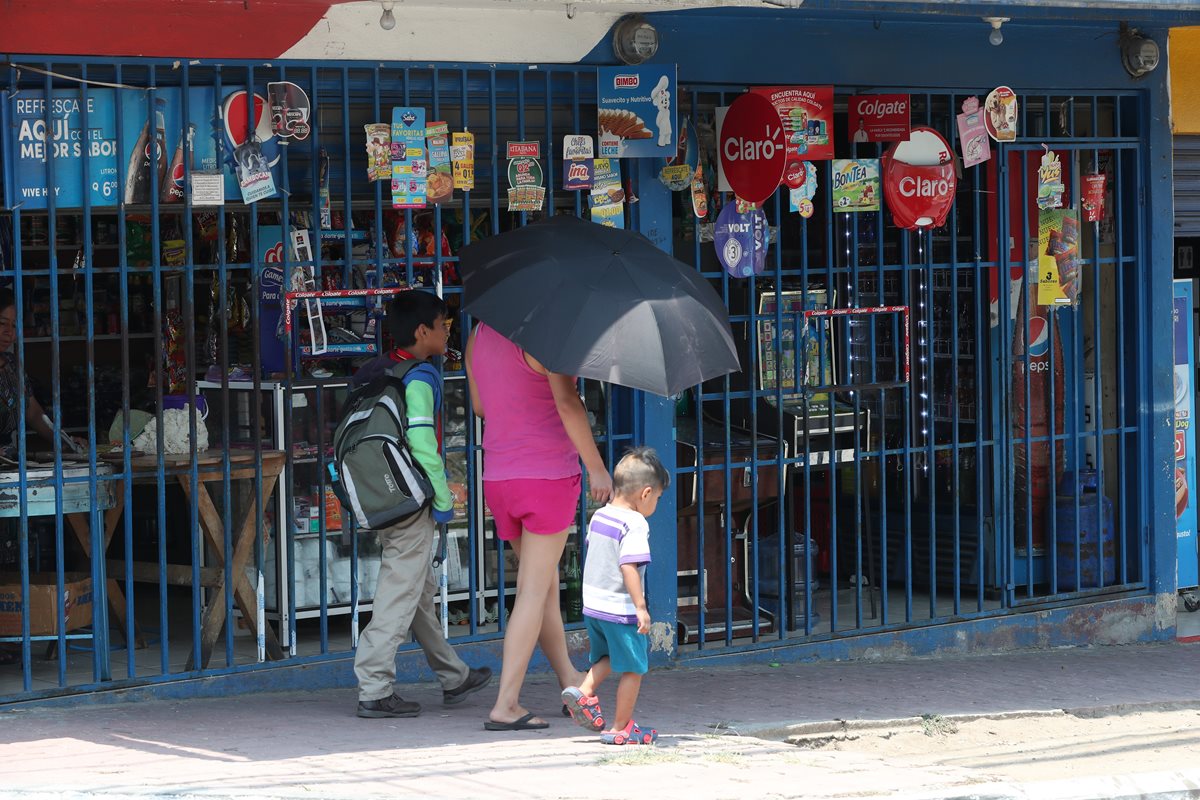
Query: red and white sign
879, 118
530, 149
752, 147
919, 180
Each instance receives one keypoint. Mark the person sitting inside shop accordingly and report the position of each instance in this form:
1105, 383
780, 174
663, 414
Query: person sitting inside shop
10, 385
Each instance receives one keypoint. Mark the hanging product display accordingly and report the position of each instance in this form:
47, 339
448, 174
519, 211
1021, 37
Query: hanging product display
607, 199
578, 163
409, 165
290, 110
919, 179
462, 160
878, 118
525, 192
973, 134
1001, 110
855, 184
439, 178
635, 111
800, 197
1050, 185
254, 176
1093, 196
699, 192
807, 116
679, 170
379, 151
741, 241
751, 147
1058, 257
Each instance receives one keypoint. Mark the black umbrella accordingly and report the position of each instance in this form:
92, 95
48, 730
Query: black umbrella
599, 302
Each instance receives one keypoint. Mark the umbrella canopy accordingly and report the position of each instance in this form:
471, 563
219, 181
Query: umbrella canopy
598, 302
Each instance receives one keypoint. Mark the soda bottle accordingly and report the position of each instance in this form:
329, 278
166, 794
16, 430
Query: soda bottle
573, 578
173, 188
144, 160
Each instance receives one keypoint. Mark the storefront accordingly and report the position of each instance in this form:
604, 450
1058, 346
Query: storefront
945, 434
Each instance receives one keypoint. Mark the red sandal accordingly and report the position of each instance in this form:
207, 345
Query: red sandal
632, 734
584, 710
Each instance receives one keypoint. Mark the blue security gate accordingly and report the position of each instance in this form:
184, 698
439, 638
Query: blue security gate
860, 474
883, 461
136, 304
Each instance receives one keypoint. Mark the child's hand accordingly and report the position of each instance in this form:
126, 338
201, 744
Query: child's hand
643, 616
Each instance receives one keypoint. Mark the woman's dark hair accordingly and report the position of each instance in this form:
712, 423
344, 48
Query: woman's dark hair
7, 298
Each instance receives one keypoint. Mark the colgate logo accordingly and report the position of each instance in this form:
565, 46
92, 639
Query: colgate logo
275, 254
875, 108
738, 148
911, 186
627, 81
577, 172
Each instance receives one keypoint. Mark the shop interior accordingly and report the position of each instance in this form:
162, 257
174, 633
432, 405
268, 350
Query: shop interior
869, 501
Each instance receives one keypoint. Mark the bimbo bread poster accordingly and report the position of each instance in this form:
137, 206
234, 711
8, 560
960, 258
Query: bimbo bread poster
635, 110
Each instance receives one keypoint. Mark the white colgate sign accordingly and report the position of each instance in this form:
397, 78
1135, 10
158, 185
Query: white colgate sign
752, 149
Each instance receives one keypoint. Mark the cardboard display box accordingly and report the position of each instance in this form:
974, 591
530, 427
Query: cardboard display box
76, 603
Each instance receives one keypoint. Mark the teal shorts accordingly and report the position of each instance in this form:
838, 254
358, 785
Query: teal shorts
627, 650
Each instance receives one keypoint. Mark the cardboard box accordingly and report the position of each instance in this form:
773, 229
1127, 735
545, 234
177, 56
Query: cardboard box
77, 598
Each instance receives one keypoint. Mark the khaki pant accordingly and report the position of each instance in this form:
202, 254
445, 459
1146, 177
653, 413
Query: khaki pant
403, 604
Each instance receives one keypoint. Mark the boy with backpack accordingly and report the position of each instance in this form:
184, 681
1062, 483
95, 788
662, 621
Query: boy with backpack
403, 602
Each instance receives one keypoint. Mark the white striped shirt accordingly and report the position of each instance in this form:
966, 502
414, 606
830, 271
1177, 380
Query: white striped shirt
615, 536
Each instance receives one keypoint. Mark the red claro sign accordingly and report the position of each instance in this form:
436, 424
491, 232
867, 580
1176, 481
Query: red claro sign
752, 147
919, 180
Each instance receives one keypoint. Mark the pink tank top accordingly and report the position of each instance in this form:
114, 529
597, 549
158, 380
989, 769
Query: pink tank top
523, 436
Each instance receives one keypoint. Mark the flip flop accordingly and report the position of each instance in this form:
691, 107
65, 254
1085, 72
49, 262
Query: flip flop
522, 724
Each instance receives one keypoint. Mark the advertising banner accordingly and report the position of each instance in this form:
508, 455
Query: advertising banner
855, 184
807, 115
65, 140
879, 118
636, 111
1185, 437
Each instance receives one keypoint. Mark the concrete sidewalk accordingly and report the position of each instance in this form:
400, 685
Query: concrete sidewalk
721, 729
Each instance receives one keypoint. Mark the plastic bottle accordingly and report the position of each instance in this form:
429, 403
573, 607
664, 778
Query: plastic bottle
573, 577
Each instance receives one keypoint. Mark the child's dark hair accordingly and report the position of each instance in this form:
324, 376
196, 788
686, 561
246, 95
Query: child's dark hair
409, 311
638, 469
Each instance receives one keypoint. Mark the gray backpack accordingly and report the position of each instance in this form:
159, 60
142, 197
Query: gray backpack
374, 473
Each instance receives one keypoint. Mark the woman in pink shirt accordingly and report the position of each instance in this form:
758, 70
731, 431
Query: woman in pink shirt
535, 433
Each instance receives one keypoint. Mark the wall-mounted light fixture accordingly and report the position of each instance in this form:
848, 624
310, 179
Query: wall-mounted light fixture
388, 20
634, 40
996, 37
1139, 55
783, 3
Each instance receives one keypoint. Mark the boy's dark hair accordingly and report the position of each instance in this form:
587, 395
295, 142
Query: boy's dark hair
638, 469
409, 311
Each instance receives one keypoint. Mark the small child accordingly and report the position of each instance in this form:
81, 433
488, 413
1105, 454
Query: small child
614, 603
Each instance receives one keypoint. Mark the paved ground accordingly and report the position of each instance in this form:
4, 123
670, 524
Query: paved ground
824, 730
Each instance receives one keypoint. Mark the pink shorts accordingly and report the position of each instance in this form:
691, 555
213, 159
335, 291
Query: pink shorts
538, 505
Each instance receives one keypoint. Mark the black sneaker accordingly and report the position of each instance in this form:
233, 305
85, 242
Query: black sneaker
392, 706
476, 680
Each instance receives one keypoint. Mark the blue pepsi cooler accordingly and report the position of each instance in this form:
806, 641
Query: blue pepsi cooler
1097, 538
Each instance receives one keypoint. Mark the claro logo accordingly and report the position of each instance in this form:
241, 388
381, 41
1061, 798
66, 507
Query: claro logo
911, 186
738, 148
627, 81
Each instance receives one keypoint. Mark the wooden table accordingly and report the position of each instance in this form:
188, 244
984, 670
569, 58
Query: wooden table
210, 470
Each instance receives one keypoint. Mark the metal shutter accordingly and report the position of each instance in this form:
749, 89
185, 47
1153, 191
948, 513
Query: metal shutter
1186, 174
